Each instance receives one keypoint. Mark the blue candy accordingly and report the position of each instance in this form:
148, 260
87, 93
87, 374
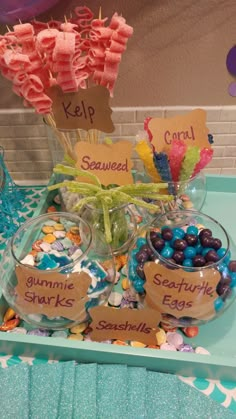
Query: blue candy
205, 250
61, 260
167, 252
192, 230
138, 285
222, 267
190, 252
221, 253
179, 232
218, 304
47, 262
199, 248
188, 263
140, 242
132, 274
233, 278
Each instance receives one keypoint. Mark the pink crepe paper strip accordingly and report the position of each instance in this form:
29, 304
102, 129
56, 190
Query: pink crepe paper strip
206, 155
176, 156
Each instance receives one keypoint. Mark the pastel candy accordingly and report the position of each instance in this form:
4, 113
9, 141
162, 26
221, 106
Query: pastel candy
49, 238
115, 299
46, 247
59, 234
168, 347
175, 339
28, 260
57, 245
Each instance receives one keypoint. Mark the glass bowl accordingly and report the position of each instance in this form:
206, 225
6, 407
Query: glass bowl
50, 277
183, 264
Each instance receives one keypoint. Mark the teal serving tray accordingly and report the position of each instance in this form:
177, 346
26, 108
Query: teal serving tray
218, 336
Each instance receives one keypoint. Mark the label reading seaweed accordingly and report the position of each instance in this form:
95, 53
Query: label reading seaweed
51, 294
111, 163
124, 324
181, 293
190, 128
86, 109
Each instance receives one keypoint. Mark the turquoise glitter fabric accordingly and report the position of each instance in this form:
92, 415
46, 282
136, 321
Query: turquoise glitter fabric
91, 391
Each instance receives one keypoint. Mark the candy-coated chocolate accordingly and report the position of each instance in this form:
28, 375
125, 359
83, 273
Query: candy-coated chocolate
158, 243
167, 233
192, 230
140, 271
232, 266
191, 239
190, 252
180, 244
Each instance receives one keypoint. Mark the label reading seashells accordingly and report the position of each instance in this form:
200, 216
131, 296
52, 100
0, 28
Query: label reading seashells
190, 128
124, 324
181, 293
51, 294
111, 163
86, 109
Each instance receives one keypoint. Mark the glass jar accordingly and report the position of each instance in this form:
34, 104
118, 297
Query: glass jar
50, 276
183, 264
123, 228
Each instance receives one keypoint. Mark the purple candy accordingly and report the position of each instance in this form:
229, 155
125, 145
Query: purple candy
72, 250
57, 245
231, 61
232, 89
186, 348
38, 332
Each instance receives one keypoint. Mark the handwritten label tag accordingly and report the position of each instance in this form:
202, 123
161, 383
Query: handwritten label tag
190, 128
111, 163
86, 109
181, 293
51, 294
124, 324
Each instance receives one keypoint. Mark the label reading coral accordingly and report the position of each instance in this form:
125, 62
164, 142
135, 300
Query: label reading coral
86, 109
111, 163
51, 294
190, 128
181, 293
124, 324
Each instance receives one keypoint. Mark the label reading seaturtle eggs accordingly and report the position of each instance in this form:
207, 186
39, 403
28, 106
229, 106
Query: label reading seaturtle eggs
181, 293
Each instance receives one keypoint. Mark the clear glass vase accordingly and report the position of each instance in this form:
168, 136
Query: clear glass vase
183, 264
122, 224
52, 277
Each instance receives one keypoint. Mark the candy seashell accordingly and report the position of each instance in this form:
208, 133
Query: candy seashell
125, 284
46, 247
47, 229
9, 325
190, 331
49, 238
174, 339
119, 342
66, 243
115, 299
10, 314
38, 332
136, 344
59, 227
188, 205
18, 331
168, 347
75, 230
57, 245
76, 337
79, 328
186, 348
28, 260
76, 254
202, 351
160, 337
59, 234
36, 245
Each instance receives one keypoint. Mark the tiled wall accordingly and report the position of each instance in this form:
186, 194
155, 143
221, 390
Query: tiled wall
28, 158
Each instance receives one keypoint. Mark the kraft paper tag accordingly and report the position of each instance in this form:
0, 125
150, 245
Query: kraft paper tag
191, 128
181, 293
124, 324
111, 163
50, 293
86, 109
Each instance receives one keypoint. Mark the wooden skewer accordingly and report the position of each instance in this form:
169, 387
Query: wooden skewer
100, 13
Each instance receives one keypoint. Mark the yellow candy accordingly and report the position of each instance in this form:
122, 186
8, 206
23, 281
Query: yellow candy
125, 284
49, 238
79, 328
75, 230
10, 314
188, 205
160, 337
47, 229
136, 344
200, 226
76, 337
59, 227
145, 155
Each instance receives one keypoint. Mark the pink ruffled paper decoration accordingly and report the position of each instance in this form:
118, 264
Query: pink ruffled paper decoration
206, 155
176, 156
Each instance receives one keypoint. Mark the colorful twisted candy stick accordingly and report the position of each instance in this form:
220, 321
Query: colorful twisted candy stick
145, 154
176, 156
191, 158
206, 155
162, 165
